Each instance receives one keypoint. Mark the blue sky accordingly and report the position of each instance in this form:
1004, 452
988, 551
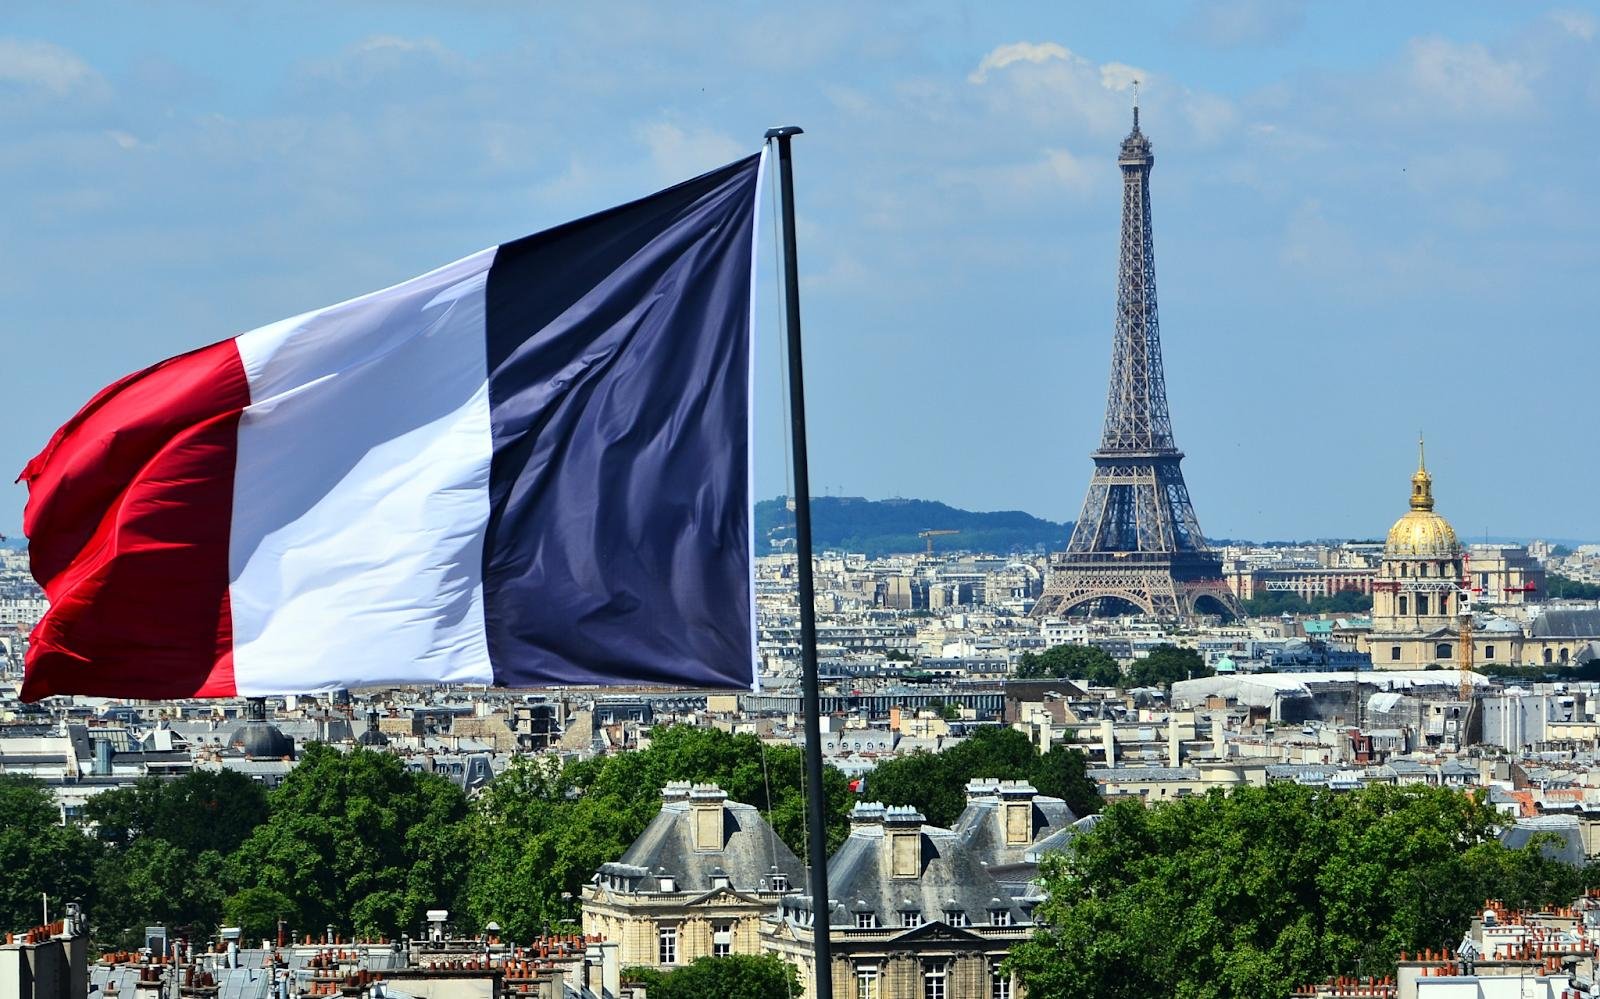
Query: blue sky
1371, 218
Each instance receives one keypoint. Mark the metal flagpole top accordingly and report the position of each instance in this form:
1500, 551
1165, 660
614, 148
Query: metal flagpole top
784, 131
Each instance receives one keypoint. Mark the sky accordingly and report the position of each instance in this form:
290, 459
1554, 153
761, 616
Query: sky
1372, 219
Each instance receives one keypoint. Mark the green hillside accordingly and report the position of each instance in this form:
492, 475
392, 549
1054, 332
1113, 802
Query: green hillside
880, 527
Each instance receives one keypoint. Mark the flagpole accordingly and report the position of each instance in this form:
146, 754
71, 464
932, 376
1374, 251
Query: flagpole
816, 813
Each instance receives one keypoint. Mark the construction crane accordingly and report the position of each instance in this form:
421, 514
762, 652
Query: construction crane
928, 536
1464, 638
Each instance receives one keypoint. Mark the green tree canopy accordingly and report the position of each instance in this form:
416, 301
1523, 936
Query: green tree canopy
1083, 663
935, 783
358, 841
38, 855
1252, 893
737, 976
1561, 587
540, 830
1167, 664
1271, 603
199, 811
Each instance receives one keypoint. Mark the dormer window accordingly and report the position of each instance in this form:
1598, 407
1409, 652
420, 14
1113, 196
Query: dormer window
910, 917
999, 915
955, 917
668, 882
866, 920
780, 881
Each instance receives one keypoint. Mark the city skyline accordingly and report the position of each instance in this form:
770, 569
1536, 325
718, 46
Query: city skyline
1360, 223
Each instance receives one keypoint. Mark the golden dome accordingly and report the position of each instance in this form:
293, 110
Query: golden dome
1421, 532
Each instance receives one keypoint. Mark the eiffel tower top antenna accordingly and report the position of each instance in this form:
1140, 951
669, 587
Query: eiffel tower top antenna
1136, 105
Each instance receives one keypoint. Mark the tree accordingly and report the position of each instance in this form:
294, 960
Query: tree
1083, 663
1166, 665
935, 783
1250, 893
199, 811
39, 856
737, 976
357, 841
256, 912
1561, 587
540, 830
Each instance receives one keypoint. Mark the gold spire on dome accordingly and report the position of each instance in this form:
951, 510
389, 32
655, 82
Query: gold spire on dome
1422, 482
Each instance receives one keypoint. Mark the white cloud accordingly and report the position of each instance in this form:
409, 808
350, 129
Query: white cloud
1015, 52
39, 65
677, 153
1119, 76
42, 65
1467, 78
123, 139
1579, 24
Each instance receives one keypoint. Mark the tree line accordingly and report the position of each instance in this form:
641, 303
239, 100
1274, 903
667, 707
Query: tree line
357, 841
1255, 892
1164, 666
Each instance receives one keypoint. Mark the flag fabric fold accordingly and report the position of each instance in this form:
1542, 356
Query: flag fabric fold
529, 467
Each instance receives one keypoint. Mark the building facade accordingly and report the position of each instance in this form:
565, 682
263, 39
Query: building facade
696, 883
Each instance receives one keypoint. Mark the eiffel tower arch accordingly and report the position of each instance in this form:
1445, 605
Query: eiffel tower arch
1137, 542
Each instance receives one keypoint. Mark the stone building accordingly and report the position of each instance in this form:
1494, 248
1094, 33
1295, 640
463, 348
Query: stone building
696, 883
922, 912
1416, 599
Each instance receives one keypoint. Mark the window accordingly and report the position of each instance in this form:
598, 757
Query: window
1394, 653
1422, 603
780, 881
999, 985
721, 939
667, 945
955, 917
866, 921
1403, 607
1442, 650
933, 982
1488, 652
999, 917
910, 917
867, 981
1547, 657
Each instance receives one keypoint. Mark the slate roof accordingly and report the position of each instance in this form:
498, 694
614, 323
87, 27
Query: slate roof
750, 850
951, 875
1566, 622
1569, 847
981, 825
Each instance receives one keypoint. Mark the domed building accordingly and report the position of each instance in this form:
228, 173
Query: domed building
1416, 598
259, 739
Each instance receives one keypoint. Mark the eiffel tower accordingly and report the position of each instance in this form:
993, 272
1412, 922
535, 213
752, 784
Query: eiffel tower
1137, 543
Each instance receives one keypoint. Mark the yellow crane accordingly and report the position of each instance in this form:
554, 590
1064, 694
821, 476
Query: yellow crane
1464, 651
928, 536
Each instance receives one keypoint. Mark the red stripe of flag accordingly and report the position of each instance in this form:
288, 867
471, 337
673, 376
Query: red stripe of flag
128, 520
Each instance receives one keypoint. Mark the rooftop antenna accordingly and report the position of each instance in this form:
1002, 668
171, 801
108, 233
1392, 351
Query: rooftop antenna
1136, 105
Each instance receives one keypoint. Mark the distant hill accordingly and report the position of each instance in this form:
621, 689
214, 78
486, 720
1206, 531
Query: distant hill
881, 527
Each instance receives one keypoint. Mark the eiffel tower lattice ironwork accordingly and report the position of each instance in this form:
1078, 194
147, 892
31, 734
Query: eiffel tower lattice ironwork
1137, 541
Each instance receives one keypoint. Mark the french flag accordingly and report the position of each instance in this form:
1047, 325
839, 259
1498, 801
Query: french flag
529, 467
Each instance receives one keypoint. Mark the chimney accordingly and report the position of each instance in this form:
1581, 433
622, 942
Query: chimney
675, 790
902, 827
708, 802
1174, 750
1108, 740
979, 788
866, 815
1016, 806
